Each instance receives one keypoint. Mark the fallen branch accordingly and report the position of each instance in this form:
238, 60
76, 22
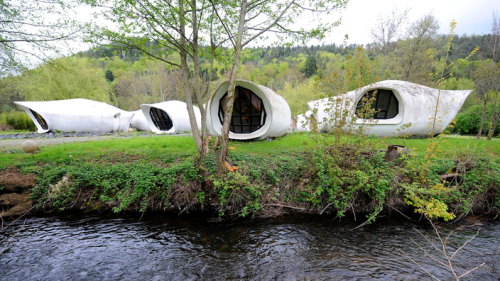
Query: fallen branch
285, 206
12, 237
398, 211
443, 251
368, 220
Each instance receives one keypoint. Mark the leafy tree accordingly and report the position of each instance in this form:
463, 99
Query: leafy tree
387, 29
65, 78
28, 29
165, 30
244, 21
494, 72
411, 61
310, 68
109, 76
488, 80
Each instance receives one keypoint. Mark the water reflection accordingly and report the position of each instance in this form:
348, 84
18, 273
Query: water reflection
163, 247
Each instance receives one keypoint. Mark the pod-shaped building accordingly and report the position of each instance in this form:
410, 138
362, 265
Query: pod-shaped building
76, 115
393, 104
169, 117
258, 112
139, 121
305, 121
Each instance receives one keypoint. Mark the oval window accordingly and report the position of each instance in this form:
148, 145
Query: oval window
378, 104
40, 120
248, 115
161, 119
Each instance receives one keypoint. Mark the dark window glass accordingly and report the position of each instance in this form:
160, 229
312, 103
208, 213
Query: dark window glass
248, 115
385, 104
40, 120
161, 119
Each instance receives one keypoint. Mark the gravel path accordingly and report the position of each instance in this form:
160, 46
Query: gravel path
8, 144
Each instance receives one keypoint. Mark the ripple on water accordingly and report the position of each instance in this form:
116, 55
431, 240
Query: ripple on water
164, 248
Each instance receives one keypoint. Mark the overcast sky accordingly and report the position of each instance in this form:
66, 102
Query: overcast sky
472, 16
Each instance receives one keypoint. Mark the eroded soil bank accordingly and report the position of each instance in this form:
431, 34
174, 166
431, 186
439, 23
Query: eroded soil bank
336, 182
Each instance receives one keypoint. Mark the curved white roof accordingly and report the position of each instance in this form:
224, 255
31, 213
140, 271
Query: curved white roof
178, 114
417, 103
139, 121
79, 115
278, 112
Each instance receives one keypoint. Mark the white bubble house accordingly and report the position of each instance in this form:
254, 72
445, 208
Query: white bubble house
304, 121
140, 122
396, 103
76, 115
169, 117
258, 112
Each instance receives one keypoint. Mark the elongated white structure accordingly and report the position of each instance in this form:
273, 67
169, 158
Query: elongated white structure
304, 121
169, 117
140, 122
258, 112
78, 115
396, 103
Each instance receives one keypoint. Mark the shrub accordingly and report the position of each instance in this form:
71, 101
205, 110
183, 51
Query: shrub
5, 127
18, 121
469, 121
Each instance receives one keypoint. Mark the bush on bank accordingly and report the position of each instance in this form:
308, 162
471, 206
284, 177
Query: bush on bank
19, 120
469, 121
349, 178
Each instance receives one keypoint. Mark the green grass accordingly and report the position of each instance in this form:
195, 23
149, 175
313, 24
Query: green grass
450, 145
168, 148
116, 150
291, 142
15, 132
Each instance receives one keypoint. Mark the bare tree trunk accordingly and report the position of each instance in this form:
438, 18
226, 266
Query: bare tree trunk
482, 119
231, 87
185, 79
493, 119
383, 69
199, 94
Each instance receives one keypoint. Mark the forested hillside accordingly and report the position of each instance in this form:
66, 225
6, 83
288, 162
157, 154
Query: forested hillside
127, 78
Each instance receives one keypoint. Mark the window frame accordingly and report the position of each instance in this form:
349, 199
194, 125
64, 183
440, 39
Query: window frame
262, 115
393, 97
158, 120
41, 121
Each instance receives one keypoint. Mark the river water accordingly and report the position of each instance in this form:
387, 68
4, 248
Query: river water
168, 247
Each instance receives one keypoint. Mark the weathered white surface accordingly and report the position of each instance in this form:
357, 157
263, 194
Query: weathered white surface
30, 146
303, 123
278, 112
417, 104
177, 111
79, 115
140, 122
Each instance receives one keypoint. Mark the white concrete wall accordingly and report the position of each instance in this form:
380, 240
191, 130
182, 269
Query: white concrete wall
140, 122
417, 104
303, 123
278, 112
79, 115
177, 111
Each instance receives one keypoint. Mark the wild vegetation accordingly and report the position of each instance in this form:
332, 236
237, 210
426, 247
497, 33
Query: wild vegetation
349, 171
267, 178
126, 78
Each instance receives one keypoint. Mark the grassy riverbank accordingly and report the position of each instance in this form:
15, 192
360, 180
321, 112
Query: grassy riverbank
288, 174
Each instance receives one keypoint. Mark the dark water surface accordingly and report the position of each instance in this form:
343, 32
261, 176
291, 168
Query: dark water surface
167, 247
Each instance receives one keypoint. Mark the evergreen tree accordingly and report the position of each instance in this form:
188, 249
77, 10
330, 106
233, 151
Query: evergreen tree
310, 68
109, 76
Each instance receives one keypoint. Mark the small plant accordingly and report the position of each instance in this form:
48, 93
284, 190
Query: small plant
19, 121
446, 256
